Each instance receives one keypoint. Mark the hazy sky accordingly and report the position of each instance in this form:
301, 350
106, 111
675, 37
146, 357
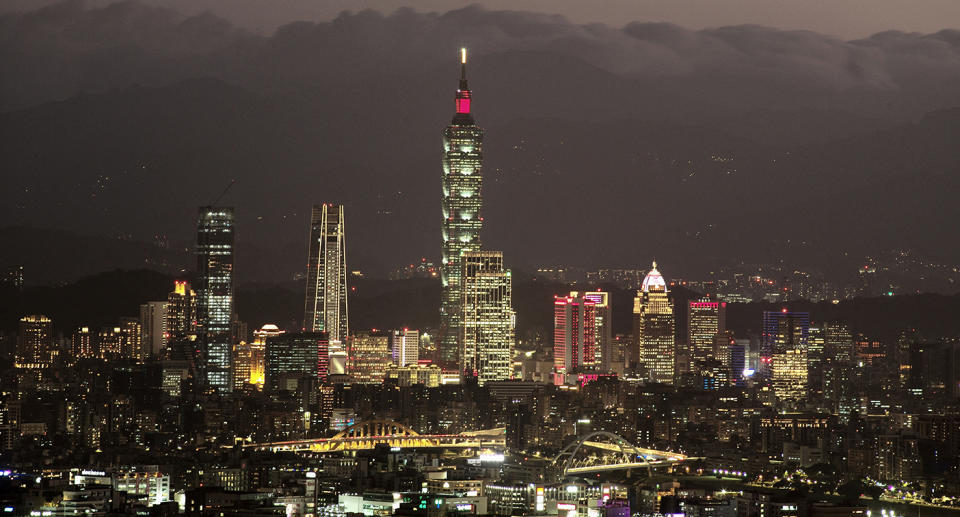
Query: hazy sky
842, 18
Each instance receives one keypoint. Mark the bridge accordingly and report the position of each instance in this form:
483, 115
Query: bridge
369, 434
601, 451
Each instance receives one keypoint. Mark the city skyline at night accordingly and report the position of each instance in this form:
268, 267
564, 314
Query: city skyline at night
682, 271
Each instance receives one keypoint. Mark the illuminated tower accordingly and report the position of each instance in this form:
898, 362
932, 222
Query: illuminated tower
653, 313
574, 334
325, 309
488, 320
606, 348
215, 295
461, 182
705, 319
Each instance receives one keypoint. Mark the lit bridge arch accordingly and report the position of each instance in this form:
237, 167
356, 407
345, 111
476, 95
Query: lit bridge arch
367, 435
613, 453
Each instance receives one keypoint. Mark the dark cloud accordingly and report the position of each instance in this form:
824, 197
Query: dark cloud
67, 48
654, 119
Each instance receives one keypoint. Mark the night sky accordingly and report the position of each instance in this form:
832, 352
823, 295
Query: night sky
607, 144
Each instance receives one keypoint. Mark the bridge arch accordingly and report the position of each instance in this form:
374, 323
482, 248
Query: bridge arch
375, 428
570, 451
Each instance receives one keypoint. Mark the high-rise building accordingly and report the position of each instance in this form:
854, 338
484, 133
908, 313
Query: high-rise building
215, 285
181, 312
35, 346
84, 344
131, 339
654, 328
838, 342
461, 183
294, 358
368, 354
488, 322
258, 353
705, 319
606, 348
405, 346
325, 309
153, 323
574, 334
789, 377
782, 330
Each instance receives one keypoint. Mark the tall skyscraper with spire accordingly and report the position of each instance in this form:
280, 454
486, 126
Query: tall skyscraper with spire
461, 183
325, 309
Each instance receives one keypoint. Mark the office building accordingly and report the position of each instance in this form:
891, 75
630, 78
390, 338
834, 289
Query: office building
608, 355
781, 331
427, 374
705, 319
368, 354
405, 346
296, 360
35, 346
789, 376
574, 335
153, 324
215, 291
654, 328
325, 309
460, 229
487, 320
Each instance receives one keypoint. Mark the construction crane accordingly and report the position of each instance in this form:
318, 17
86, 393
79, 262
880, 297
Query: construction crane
224, 193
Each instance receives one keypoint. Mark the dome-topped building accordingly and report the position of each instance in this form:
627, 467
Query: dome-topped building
654, 328
654, 280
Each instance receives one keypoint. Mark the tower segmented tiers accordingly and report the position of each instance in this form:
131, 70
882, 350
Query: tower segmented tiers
461, 183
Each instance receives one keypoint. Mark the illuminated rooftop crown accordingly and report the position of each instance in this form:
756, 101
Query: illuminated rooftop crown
654, 280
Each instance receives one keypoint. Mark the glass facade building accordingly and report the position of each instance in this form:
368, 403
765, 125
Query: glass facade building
215, 291
325, 309
488, 320
461, 183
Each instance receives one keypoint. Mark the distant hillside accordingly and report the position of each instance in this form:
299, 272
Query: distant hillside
100, 299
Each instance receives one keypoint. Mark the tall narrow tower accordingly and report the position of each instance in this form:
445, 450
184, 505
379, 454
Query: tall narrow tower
215, 295
325, 309
462, 179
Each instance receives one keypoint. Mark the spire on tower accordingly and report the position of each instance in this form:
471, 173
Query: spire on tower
463, 92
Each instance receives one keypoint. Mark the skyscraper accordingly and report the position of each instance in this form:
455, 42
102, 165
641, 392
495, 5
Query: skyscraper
574, 334
405, 346
215, 295
181, 312
35, 346
606, 348
782, 331
654, 326
153, 323
705, 319
325, 309
487, 338
461, 183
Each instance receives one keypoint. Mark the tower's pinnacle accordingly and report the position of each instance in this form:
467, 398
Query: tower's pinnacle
463, 92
